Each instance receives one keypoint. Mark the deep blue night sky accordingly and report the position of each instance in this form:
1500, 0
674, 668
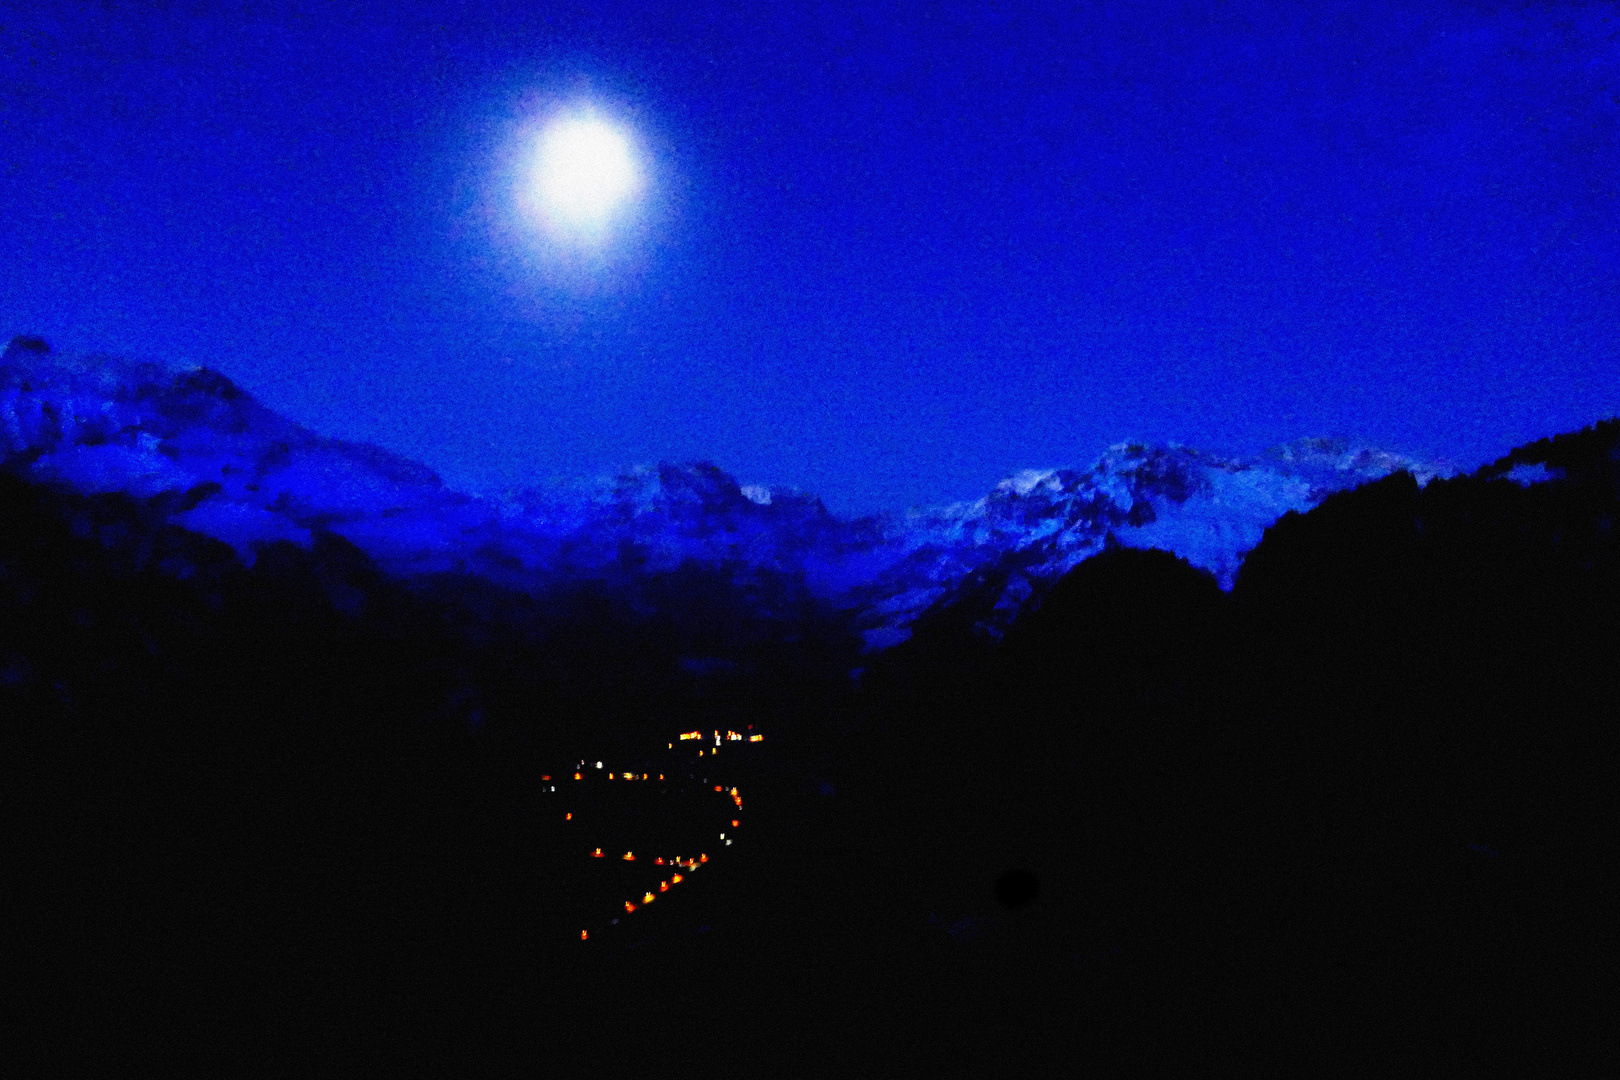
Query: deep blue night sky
886, 256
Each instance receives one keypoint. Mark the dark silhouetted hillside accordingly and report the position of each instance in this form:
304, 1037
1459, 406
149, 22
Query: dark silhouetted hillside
1362, 802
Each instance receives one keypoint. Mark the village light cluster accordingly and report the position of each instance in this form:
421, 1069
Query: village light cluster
683, 862
730, 736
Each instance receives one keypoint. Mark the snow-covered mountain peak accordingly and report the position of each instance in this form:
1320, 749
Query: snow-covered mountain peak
695, 494
1035, 525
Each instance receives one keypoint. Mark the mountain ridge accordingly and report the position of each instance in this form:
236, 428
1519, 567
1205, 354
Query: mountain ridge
250, 476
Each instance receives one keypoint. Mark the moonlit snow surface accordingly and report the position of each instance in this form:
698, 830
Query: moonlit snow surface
584, 171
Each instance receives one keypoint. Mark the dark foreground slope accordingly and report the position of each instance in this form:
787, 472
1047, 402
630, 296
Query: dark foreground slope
1356, 810
1359, 807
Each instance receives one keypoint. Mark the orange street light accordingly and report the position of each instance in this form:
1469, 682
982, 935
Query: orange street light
583, 935
629, 856
568, 817
597, 854
629, 907
676, 878
578, 777
663, 886
649, 898
733, 823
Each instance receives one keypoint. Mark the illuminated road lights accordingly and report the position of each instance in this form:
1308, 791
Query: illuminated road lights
686, 865
756, 738
583, 935
692, 735
545, 778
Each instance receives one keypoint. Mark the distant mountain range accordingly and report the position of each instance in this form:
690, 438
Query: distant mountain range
235, 470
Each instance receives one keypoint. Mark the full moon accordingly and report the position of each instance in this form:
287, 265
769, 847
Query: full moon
584, 172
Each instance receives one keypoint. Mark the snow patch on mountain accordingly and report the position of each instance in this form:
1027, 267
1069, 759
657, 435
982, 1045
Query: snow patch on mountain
1535, 473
